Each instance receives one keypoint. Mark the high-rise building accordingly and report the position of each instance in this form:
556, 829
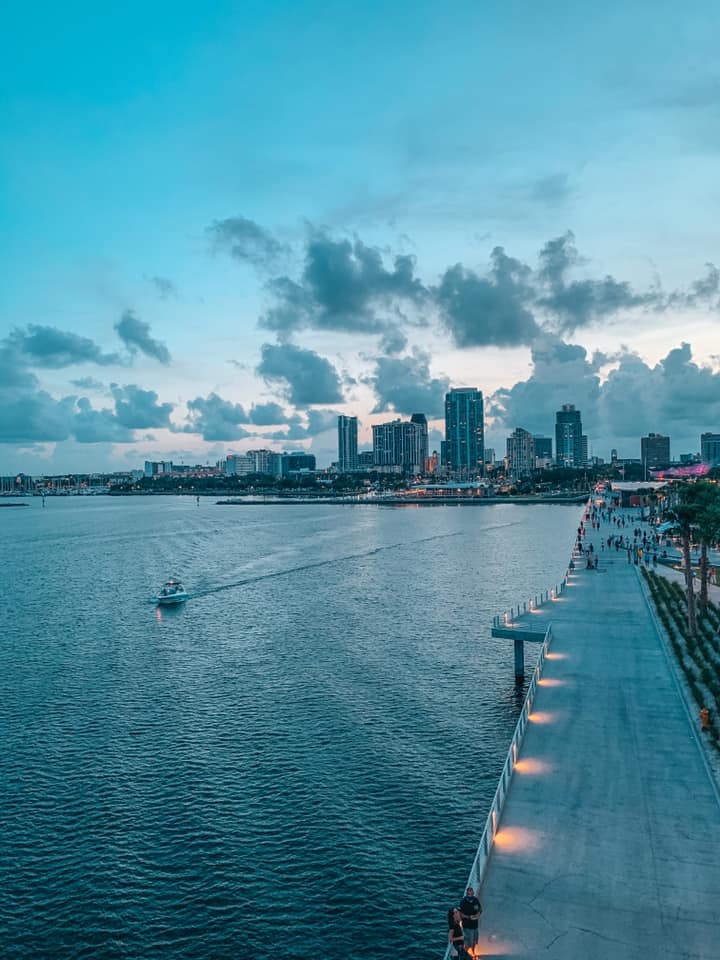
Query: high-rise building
347, 444
543, 447
239, 464
400, 446
655, 451
420, 456
464, 431
569, 437
710, 448
520, 453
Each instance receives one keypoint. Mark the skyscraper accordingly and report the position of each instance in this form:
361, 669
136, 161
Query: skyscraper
520, 453
710, 448
655, 451
421, 440
464, 431
401, 445
347, 444
568, 437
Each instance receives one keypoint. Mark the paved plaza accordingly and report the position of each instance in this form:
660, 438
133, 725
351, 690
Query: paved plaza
609, 844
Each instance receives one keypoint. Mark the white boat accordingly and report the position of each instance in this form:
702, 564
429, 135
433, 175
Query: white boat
172, 592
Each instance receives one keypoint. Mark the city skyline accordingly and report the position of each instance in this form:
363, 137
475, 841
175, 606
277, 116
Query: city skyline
190, 271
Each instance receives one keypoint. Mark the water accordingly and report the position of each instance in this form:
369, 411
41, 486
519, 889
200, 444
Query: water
299, 762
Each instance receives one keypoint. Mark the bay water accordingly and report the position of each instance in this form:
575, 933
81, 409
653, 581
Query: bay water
297, 763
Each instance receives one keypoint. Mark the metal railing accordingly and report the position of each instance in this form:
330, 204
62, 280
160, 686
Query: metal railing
482, 857
503, 619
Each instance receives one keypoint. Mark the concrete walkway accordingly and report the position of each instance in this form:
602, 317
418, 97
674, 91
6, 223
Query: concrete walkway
609, 844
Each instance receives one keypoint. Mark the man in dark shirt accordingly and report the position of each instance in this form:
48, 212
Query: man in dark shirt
470, 911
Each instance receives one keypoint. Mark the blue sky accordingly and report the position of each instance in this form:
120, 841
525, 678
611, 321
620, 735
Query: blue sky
216, 215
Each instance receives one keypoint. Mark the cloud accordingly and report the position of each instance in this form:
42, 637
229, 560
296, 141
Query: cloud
342, 286
98, 426
88, 383
676, 396
138, 409
577, 303
305, 376
35, 417
488, 310
40, 346
246, 241
550, 191
216, 419
266, 414
405, 385
163, 287
135, 334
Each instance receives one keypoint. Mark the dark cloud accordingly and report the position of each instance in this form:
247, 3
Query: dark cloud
135, 334
316, 422
216, 419
305, 376
578, 303
405, 385
343, 285
138, 409
34, 417
163, 287
704, 291
491, 310
246, 241
393, 341
39, 346
266, 414
98, 426
676, 396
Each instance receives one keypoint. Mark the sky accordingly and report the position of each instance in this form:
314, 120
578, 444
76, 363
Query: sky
223, 224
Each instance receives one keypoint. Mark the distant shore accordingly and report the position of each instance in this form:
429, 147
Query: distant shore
399, 501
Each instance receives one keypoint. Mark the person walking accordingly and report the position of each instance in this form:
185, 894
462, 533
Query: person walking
470, 910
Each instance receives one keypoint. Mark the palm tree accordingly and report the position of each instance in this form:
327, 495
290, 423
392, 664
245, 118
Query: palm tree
684, 516
706, 499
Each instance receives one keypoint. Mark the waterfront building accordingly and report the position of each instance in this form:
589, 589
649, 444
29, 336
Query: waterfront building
347, 444
239, 464
520, 453
365, 460
489, 456
155, 468
655, 451
710, 448
569, 437
400, 446
464, 431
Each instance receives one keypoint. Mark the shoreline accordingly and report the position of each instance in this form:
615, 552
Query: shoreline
402, 501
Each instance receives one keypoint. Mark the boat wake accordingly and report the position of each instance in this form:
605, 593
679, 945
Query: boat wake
301, 568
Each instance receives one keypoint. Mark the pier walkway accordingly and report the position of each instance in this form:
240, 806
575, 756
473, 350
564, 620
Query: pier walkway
608, 847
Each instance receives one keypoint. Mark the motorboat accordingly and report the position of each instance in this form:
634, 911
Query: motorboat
172, 593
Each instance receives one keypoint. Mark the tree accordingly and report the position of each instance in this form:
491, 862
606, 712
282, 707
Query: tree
705, 497
684, 516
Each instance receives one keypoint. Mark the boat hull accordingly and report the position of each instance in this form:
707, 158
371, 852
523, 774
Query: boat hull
172, 601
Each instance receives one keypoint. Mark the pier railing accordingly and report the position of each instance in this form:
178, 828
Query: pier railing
503, 619
482, 857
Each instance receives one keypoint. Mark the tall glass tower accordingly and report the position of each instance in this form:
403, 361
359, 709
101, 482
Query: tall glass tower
464, 431
569, 437
347, 444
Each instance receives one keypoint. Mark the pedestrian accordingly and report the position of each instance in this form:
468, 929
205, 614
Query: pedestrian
470, 910
596, 561
456, 938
